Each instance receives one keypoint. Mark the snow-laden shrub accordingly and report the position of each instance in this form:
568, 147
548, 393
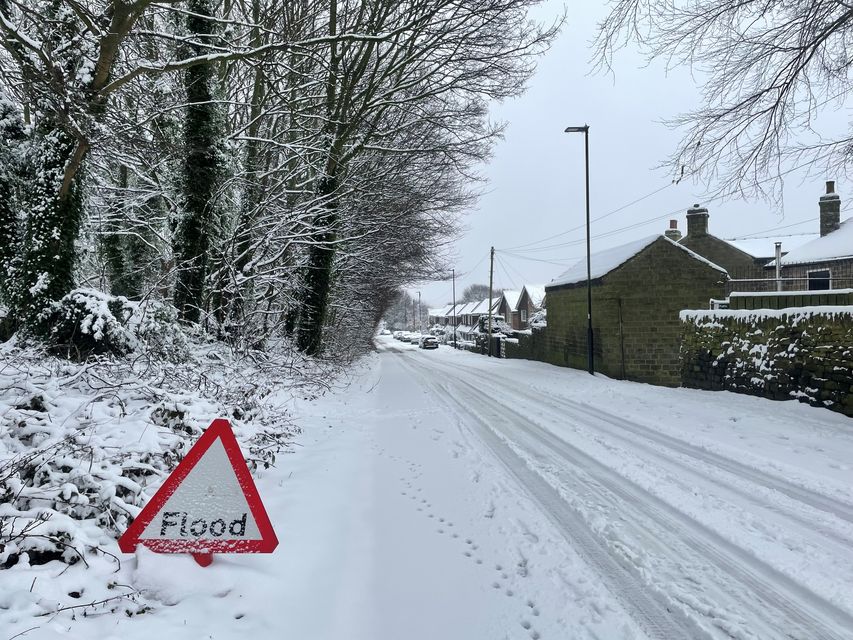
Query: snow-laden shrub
83, 445
87, 322
157, 331
538, 320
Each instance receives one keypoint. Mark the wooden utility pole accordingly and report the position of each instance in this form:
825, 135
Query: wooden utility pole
491, 279
453, 274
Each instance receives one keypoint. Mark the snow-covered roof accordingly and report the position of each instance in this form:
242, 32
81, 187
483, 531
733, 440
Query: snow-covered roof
766, 247
603, 262
832, 246
466, 308
536, 293
436, 312
480, 307
512, 298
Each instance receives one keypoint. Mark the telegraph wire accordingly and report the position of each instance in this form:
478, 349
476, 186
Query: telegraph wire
601, 217
523, 247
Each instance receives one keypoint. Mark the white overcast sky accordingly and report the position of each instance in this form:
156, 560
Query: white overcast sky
536, 178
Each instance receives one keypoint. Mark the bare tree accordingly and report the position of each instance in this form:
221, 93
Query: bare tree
768, 67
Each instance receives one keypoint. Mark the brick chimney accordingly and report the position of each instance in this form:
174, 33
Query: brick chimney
673, 233
830, 209
697, 221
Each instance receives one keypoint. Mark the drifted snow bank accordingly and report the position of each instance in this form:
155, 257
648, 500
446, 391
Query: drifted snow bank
83, 445
804, 353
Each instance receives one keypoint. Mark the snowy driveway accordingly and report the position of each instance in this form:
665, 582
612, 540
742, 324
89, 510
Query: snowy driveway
699, 515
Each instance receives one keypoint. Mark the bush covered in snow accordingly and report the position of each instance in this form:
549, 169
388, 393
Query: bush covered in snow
87, 322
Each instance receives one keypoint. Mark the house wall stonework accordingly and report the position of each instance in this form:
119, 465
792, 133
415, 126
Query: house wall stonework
740, 265
636, 327
804, 353
841, 274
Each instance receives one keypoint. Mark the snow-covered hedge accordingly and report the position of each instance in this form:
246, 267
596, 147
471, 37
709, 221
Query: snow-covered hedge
804, 353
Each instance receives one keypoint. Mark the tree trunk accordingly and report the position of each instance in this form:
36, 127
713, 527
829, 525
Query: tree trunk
201, 172
54, 216
318, 278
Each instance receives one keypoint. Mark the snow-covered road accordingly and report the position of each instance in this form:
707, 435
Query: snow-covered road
681, 536
447, 495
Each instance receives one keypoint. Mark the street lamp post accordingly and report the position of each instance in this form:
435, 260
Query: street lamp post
589, 338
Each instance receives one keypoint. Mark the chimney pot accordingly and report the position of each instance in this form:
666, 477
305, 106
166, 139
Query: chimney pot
830, 209
673, 233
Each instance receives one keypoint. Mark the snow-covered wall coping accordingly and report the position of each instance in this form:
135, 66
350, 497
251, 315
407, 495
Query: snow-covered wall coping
754, 294
756, 315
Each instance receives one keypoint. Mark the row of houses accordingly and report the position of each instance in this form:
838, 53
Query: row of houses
512, 308
638, 290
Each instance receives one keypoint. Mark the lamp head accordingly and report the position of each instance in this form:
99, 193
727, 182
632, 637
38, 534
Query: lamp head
583, 129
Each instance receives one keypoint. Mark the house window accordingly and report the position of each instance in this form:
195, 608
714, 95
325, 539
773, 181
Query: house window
524, 315
820, 280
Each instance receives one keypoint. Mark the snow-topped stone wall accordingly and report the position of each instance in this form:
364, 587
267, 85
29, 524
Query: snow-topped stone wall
804, 353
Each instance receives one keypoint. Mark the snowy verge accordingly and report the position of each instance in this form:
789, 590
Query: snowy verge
84, 445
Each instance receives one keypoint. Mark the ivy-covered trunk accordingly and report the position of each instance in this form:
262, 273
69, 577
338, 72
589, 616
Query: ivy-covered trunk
54, 213
11, 139
202, 168
318, 271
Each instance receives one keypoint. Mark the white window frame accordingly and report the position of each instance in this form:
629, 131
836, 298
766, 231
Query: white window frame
809, 278
523, 313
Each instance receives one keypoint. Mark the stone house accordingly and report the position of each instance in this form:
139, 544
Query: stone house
638, 290
745, 259
827, 261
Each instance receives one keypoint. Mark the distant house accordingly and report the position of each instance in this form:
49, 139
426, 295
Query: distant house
638, 290
826, 262
508, 307
531, 300
437, 316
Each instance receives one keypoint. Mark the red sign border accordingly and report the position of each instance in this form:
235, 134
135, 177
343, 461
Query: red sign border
219, 429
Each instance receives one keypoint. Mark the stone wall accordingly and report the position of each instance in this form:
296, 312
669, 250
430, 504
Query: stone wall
804, 353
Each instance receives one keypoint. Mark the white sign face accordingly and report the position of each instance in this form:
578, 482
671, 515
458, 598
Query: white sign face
209, 504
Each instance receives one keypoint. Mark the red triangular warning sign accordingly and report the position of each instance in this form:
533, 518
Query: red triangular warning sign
208, 504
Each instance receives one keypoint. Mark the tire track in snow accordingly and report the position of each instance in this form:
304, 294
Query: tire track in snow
641, 438
643, 605
819, 501
782, 602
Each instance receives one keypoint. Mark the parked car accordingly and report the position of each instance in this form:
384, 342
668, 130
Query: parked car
414, 338
428, 342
